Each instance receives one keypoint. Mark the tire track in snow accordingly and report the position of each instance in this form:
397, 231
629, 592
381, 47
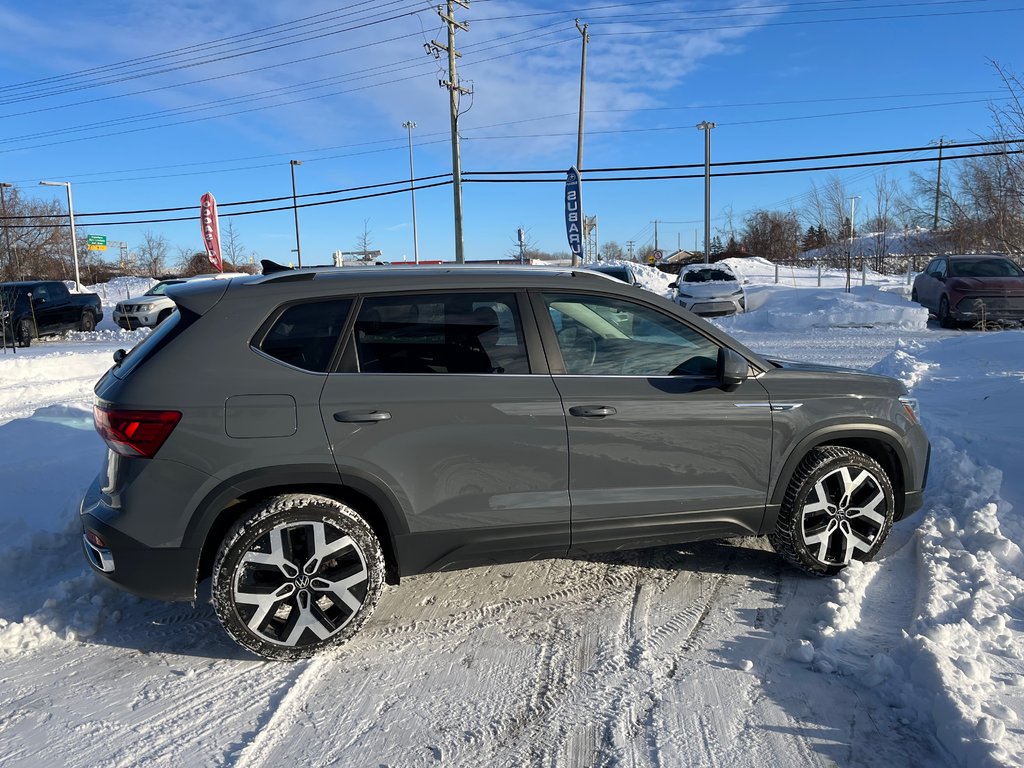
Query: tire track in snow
279, 718
606, 694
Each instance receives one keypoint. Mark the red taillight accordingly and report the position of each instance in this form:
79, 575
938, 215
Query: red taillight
134, 433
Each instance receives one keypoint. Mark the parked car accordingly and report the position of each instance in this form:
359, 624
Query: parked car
971, 289
622, 272
710, 290
155, 306
307, 436
34, 308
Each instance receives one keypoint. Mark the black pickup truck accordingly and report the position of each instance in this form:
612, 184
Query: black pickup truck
34, 308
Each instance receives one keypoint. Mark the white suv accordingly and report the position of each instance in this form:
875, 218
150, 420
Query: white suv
154, 306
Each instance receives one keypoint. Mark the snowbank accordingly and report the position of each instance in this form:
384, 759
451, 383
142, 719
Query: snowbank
771, 307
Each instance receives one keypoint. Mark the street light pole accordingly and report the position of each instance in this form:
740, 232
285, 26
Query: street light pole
849, 253
706, 127
409, 125
7, 235
295, 210
71, 215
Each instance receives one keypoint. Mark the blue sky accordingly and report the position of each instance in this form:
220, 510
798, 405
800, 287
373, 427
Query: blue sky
333, 90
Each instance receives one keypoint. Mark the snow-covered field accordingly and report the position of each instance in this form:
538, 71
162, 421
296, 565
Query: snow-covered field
705, 654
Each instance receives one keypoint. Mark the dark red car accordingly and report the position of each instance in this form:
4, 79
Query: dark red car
971, 290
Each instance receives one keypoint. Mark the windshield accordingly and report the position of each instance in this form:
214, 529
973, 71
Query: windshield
984, 268
707, 275
161, 288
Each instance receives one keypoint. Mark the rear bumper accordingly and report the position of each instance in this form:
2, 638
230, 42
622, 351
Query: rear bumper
161, 574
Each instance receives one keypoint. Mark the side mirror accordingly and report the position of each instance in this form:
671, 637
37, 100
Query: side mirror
733, 368
119, 355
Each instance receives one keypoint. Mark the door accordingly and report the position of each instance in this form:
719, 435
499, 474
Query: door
658, 450
437, 401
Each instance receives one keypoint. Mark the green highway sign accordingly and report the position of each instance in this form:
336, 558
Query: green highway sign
96, 242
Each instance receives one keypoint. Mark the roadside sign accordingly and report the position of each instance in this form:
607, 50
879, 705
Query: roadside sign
97, 242
573, 208
658, 255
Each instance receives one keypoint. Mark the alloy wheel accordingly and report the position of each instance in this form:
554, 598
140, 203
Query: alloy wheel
843, 514
300, 583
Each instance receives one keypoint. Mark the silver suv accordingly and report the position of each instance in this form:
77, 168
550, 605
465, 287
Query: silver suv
155, 306
308, 436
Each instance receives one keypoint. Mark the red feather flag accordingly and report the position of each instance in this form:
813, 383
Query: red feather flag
211, 230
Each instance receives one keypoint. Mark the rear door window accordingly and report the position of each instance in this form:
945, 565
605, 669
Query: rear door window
473, 333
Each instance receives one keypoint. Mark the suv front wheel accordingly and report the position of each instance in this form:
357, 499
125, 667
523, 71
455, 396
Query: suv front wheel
299, 574
839, 507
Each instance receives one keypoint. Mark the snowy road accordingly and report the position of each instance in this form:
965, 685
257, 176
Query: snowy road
709, 654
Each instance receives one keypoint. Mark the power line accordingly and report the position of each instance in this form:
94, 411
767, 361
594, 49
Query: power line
277, 104
883, 163
805, 22
173, 67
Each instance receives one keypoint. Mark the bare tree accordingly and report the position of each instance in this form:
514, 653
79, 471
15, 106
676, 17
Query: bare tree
363, 243
153, 253
231, 246
773, 235
611, 250
883, 220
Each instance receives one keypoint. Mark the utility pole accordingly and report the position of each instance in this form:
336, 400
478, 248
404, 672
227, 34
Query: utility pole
938, 188
409, 125
295, 210
579, 132
629, 249
655, 223
71, 215
454, 92
706, 127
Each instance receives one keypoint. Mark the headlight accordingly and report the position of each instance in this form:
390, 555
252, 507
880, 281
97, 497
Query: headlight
144, 308
911, 406
685, 295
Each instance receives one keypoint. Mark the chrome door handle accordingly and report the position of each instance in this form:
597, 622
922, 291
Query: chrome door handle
361, 417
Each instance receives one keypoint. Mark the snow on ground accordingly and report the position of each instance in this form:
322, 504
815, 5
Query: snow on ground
705, 654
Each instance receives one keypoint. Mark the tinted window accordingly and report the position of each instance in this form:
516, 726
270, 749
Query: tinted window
441, 333
305, 334
606, 336
984, 268
619, 273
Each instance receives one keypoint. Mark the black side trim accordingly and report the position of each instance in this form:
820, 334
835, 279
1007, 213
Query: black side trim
657, 530
430, 551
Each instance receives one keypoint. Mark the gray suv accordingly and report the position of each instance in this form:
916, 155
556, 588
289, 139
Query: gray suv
305, 437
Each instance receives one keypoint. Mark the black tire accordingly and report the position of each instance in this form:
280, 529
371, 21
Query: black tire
88, 322
945, 319
913, 296
25, 333
291, 615
839, 507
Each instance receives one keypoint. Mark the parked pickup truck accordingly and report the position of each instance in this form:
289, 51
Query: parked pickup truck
34, 308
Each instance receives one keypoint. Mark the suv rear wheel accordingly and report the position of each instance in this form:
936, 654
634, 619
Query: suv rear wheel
299, 574
839, 508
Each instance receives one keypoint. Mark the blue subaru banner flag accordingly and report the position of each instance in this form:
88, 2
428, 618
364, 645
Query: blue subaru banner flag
574, 212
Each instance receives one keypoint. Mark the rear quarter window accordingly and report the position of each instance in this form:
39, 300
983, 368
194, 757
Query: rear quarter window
305, 335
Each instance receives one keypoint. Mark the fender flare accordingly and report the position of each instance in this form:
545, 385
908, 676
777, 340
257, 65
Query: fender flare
292, 479
826, 436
